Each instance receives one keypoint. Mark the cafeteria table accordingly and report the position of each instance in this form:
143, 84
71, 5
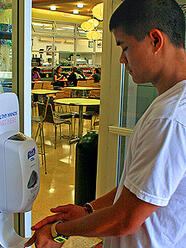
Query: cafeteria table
83, 91
44, 92
80, 102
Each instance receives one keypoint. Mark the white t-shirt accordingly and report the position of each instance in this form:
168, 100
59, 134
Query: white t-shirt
155, 171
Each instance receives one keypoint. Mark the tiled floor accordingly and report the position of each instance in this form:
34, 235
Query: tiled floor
57, 186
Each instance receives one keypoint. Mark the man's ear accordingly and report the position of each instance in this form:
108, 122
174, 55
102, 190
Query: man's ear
157, 39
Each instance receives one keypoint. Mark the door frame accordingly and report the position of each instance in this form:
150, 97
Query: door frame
110, 106
21, 82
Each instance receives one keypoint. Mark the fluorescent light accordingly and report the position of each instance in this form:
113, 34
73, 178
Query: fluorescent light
75, 11
82, 32
80, 5
37, 24
68, 28
53, 8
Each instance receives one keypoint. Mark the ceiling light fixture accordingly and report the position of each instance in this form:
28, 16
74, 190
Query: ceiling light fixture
94, 21
75, 11
53, 8
87, 26
98, 11
80, 5
93, 35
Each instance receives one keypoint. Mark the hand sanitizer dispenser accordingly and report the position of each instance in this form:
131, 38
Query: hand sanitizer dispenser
19, 171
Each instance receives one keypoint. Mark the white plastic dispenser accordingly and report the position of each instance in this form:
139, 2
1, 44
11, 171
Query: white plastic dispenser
19, 171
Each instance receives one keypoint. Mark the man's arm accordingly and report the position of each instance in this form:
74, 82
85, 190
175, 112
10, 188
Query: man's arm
120, 219
104, 201
70, 212
123, 218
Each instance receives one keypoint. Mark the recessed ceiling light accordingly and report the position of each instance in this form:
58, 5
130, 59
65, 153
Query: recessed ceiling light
52, 7
80, 5
75, 11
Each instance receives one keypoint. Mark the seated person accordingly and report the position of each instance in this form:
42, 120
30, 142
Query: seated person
59, 79
81, 76
74, 77
96, 75
35, 74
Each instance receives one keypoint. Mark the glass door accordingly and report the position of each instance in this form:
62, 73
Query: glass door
134, 100
15, 71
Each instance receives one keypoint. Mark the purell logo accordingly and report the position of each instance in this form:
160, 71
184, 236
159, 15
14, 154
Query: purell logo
31, 153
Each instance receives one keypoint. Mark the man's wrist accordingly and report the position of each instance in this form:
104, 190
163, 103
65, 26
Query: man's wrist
59, 238
88, 208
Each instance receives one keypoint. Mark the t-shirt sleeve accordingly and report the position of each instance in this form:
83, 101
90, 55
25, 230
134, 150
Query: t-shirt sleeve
159, 161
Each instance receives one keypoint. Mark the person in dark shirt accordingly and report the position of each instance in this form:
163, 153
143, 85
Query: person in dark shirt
96, 75
74, 77
59, 79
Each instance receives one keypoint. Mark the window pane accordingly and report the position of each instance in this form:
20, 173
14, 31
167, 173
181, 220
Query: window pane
135, 99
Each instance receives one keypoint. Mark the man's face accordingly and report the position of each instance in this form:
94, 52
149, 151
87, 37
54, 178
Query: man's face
137, 56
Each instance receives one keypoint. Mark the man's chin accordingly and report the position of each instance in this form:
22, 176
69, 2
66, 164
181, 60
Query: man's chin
137, 80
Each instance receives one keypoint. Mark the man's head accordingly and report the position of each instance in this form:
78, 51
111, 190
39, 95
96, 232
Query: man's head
138, 17
34, 70
58, 69
96, 70
151, 35
74, 69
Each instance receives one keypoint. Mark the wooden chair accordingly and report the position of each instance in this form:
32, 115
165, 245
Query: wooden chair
90, 83
38, 85
48, 85
95, 94
82, 83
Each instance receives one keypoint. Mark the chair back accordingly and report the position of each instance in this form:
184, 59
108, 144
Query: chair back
81, 83
64, 93
95, 94
48, 85
49, 114
93, 109
38, 85
90, 82
42, 109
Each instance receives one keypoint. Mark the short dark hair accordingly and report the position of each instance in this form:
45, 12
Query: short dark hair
57, 69
35, 69
74, 69
96, 70
139, 17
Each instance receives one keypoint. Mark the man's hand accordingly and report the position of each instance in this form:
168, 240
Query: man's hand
63, 213
43, 239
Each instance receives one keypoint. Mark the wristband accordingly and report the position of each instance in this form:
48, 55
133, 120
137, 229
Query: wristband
59, 238
89, 207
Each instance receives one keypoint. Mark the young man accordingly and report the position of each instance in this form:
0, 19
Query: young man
147, 210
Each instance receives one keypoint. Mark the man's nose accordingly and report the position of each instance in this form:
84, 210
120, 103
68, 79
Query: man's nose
123, 59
